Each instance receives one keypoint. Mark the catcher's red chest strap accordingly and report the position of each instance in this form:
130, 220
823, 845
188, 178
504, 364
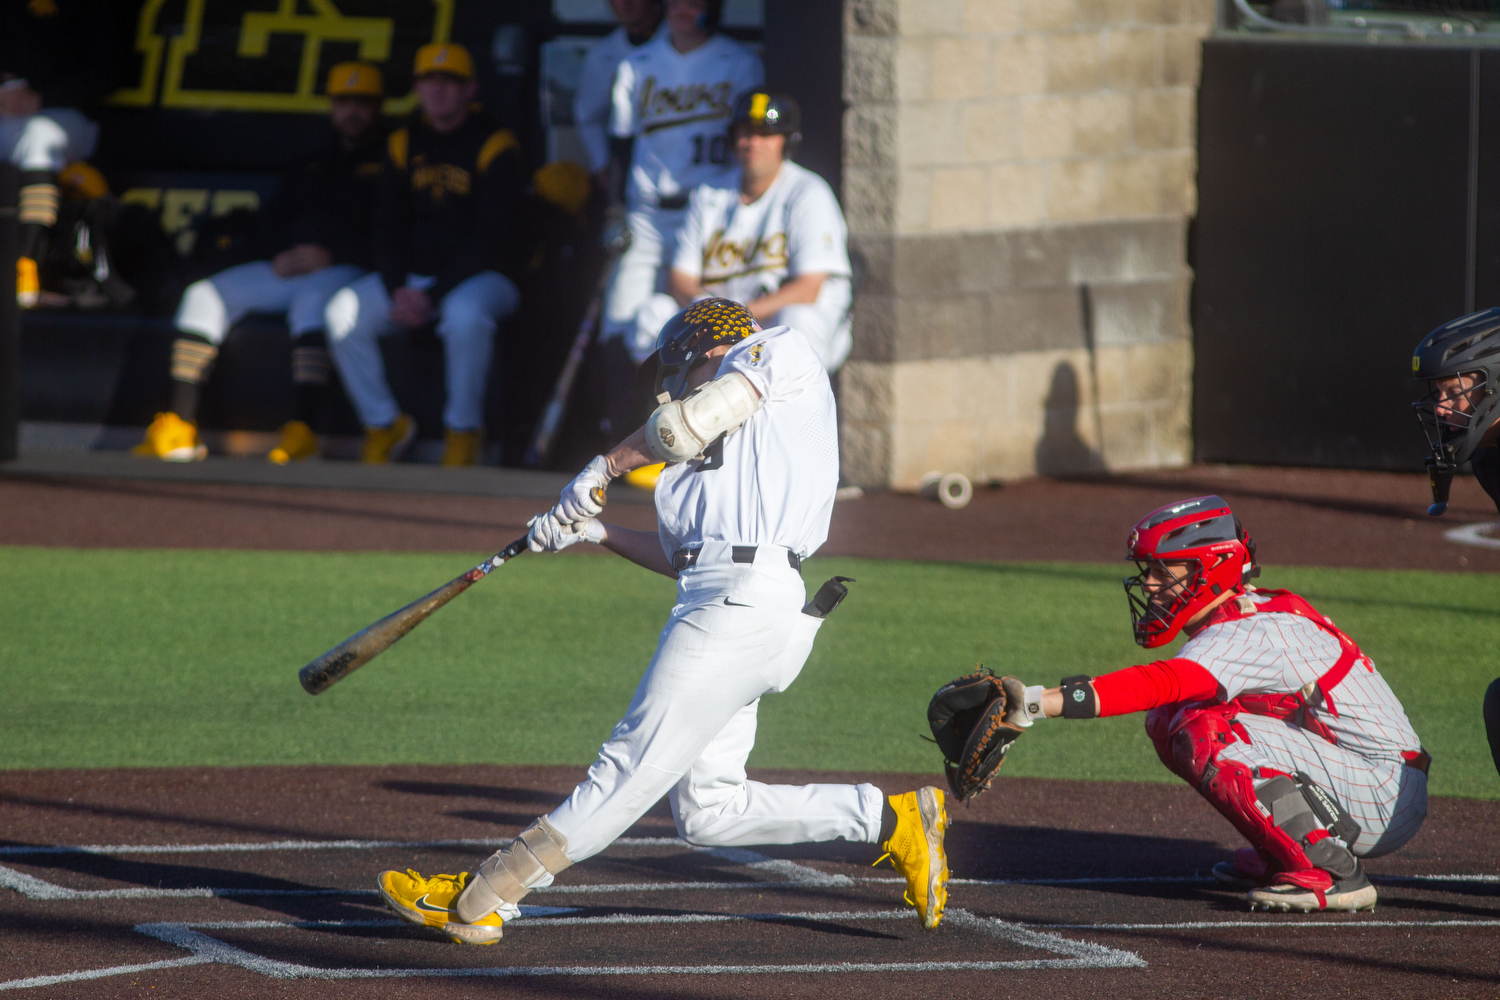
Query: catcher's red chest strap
1295, 706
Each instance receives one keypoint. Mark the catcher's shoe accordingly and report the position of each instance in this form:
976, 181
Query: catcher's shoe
1314, 890
433, 902
298, 443
387, 444
171, 439
460, 447
1247, 871
28, 284
916, 851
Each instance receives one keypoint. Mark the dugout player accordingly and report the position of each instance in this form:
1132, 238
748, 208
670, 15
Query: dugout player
1269, 711
641, 21
1459, 364
57, 62
445, 219
317, 228
750, 437
773, 239
673, 97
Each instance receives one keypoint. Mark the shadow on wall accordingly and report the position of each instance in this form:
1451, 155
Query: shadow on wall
1061, 451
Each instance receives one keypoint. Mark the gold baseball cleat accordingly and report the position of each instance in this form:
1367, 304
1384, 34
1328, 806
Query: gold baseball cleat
433, 902
298, 443
916, 851
171, 439
387, 444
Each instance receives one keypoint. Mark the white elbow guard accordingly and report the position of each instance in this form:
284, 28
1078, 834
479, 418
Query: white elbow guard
681, 429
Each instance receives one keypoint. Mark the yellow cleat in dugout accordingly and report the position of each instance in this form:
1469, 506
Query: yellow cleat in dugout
298, 443
916, 851
433, 902
460, 447
171, 439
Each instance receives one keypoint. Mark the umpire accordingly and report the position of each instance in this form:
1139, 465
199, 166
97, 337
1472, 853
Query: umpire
1460, 363
317, 230
446, 214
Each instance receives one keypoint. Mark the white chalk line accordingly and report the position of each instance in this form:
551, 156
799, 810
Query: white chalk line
1292, 924
116, 970
301, 845
1473, 534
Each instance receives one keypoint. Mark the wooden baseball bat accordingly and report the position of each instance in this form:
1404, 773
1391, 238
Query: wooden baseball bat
369, 642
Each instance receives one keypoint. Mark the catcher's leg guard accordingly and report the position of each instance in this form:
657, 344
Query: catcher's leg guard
508, 874
1285, 817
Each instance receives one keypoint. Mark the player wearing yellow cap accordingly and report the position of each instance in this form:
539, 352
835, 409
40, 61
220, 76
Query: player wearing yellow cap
450, 187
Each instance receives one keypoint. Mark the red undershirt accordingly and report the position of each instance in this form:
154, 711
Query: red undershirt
1137, 689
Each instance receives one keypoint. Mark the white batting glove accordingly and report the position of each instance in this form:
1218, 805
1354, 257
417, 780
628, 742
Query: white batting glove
550, 535
576, 504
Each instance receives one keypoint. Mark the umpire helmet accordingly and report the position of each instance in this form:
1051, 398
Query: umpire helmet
1214, 553
1460, 362
685, 341
770, 112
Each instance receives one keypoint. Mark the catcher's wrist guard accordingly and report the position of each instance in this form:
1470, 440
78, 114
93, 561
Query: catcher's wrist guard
1079, 699
1033, 702
974, 720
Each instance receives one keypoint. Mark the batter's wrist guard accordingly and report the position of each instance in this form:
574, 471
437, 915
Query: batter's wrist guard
1079, 699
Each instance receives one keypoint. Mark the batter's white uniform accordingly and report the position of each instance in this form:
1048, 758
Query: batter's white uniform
592, 100
677, 107
736, 632
1271, 653
742, 252
212, 306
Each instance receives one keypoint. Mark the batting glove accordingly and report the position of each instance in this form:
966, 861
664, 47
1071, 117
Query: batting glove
576, 504
550, 535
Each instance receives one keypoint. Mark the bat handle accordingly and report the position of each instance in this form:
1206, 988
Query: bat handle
597, 495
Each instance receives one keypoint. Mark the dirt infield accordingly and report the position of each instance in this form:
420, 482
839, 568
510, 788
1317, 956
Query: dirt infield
256, 882
1298, 516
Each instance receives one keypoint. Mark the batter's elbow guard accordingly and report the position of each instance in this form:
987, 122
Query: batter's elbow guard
1079, 699
680, 429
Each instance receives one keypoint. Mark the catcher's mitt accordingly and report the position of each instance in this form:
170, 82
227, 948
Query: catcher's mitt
974, 720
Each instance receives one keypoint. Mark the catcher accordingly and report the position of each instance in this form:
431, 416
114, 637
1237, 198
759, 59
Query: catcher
1269, 711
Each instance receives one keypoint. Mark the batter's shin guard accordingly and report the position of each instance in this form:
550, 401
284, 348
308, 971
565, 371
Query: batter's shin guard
508, 875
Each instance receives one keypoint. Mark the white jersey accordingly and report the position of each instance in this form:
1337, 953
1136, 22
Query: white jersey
677, 106
742, 251
1278, 653
591, 102
771, 482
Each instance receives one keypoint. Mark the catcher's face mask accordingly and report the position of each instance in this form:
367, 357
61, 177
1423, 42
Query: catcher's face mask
1187, 555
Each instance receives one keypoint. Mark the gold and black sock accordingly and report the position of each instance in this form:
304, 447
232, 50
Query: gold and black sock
311, 369
37, 211
192, 362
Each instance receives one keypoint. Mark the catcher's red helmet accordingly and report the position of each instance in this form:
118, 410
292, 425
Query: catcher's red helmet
1211, 553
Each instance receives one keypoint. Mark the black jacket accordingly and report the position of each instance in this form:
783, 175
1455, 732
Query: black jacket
329, 199
67, 49
447, 204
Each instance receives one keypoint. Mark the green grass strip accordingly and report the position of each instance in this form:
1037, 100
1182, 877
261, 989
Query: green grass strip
119, 658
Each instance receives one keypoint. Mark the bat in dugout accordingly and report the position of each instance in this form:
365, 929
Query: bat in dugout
369, 642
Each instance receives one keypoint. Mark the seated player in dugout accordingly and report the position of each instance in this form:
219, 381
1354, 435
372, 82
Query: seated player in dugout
1269, 711
773, 239
1460, 364
748, 430
317, 229
57, 64
444, 226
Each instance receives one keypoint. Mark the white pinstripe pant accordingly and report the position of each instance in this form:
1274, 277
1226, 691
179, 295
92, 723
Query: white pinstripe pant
1386, 797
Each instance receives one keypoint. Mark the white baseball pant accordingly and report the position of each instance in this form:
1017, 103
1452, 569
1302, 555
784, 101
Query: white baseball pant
691, 724
467, 317
212, 306
641, 273
825, 323
1387, 798
48, 140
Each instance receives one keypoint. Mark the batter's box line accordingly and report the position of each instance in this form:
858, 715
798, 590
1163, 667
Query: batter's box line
206, 950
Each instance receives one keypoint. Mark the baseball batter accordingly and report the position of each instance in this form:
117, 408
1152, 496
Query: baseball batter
1268, 710
774, 239
317, 228
674, 98
748, 429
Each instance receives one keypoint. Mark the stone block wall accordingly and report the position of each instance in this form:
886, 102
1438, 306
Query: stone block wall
1018, 179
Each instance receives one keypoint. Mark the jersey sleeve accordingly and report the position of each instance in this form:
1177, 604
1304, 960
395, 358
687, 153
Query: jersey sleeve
779, 362
688, 257
1138, 689
817, 240
622, 117
593, 101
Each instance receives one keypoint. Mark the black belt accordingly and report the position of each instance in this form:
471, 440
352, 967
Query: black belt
672, 202
684, 558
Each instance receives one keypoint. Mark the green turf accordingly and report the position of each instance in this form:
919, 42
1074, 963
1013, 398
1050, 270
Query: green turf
141, 658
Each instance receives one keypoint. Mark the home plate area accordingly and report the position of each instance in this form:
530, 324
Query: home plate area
157, 891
